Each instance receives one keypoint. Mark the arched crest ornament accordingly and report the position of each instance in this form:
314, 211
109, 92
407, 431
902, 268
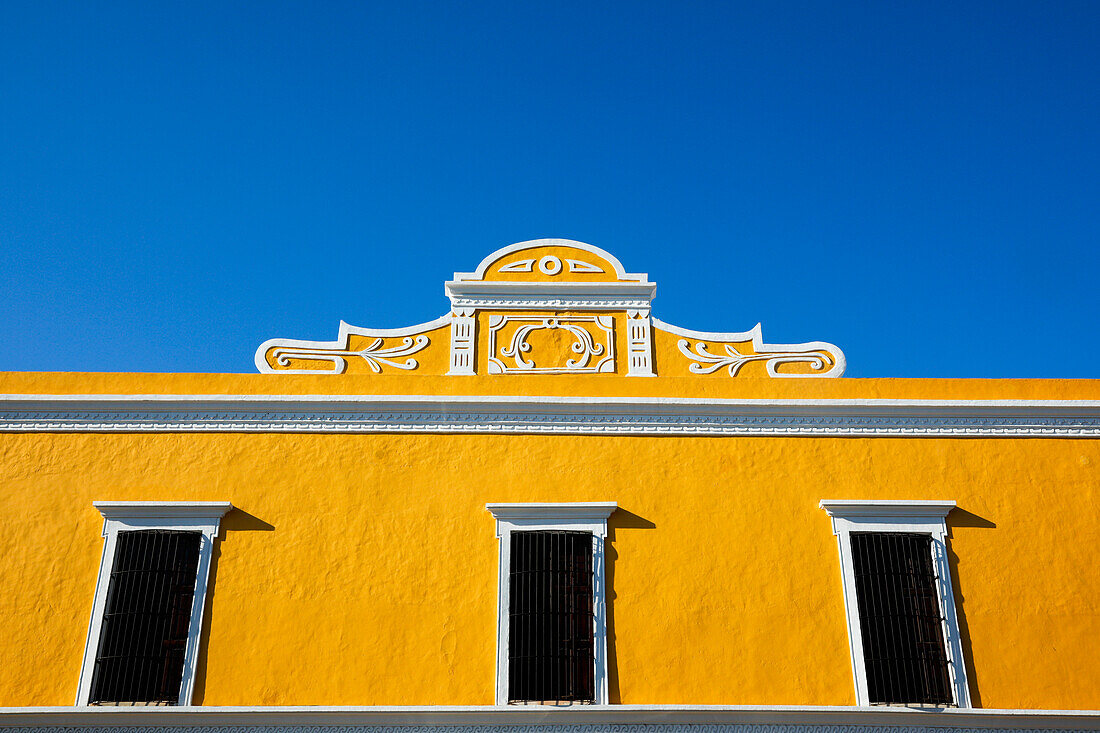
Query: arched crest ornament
550, 306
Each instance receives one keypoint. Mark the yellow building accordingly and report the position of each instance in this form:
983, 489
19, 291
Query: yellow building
548, 507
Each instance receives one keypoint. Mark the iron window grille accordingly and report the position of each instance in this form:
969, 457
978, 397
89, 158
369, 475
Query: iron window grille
900, 620
143, 638
551, 620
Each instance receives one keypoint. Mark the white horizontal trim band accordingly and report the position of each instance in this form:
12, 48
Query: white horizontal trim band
537, 719
549, 415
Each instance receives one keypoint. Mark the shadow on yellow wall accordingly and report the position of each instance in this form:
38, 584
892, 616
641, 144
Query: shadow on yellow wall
620, 519
237, 520
962, 518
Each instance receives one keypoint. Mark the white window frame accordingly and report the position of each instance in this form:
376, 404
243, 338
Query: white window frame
125, 516
576, 517
914, 517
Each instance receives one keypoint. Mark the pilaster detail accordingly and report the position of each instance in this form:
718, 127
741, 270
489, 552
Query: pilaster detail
463, 340
639, 344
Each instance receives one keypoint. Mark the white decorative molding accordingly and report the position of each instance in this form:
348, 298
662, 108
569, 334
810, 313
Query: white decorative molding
629, 290
463, 342
483, 266
372, 353
708, 363
916, 517
574, 296
547, 284
572, 516
519, 266
639, 344
336, 353
584, 345
583, 267
120, 516
879, 509
541, 719
550, 265
206, 514
550, 415
588, 516
825, 359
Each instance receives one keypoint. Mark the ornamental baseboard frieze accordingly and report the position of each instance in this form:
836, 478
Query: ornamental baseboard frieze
559, 728
549, 415
544, 719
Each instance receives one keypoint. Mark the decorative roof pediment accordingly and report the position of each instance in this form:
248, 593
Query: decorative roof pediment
550, 273
550, 306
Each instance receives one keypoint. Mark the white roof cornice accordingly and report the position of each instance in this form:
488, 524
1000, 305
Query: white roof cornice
215, 413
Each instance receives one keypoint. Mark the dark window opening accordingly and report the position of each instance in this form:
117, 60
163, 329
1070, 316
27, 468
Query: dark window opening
550, 633
899, 614
147, 618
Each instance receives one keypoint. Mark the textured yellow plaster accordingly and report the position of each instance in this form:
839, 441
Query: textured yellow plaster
361, 569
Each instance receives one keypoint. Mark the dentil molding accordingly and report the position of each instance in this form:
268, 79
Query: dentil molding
549, 415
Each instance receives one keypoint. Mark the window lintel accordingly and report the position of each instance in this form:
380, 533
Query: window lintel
587, 516
846, 508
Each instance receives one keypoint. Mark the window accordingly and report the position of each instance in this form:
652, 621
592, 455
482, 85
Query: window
902, 627
551, 640
551, 617
149, 599
903, 646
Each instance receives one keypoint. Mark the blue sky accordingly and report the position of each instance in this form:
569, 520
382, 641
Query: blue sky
917, 182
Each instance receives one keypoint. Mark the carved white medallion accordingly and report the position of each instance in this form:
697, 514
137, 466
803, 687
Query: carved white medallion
550, 265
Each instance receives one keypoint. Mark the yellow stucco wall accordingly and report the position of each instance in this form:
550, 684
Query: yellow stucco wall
361, 569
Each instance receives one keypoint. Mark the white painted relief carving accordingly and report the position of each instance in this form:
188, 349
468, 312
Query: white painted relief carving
373, 354
518, 266
550, 265
463, 329
581, 266
639, 345
824, 360
705, 362
280, 355
546, 304
583, 329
